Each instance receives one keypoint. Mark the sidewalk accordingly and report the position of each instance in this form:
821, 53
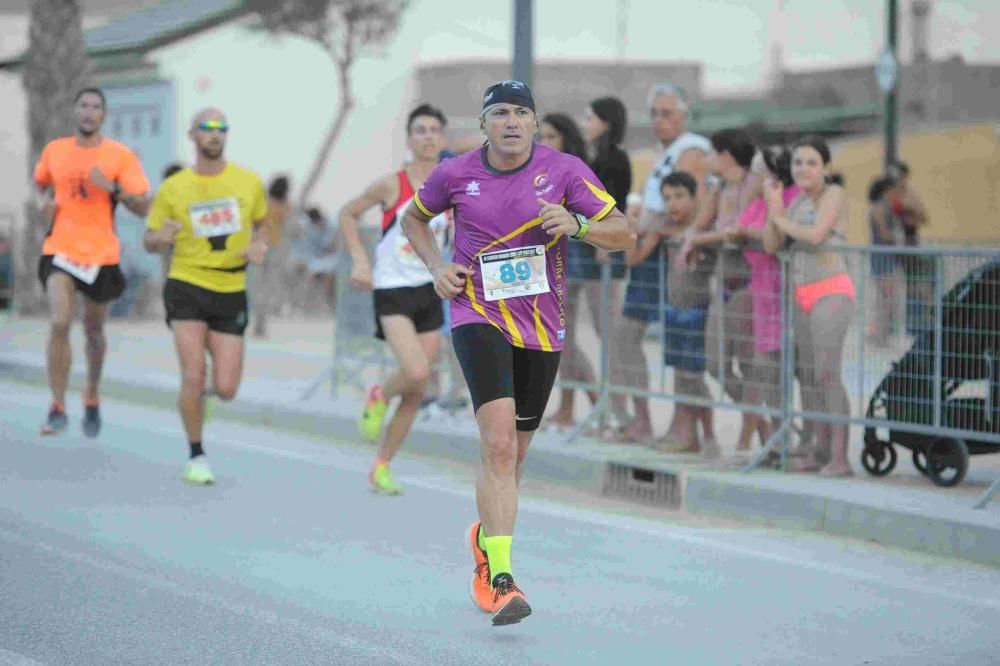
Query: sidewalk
902, 509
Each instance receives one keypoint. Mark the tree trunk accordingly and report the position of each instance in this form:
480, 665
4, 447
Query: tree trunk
332, 134
55, 67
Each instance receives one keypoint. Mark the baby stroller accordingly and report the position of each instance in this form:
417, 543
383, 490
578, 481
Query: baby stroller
970, 360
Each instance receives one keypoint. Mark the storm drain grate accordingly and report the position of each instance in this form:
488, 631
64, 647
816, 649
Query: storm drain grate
643, 485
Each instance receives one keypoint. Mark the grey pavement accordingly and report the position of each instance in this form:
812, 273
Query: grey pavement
106, 557
903, 510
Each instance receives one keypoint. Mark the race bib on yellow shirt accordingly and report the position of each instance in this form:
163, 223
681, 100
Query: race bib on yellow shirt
86, 273
514, 273
219, 217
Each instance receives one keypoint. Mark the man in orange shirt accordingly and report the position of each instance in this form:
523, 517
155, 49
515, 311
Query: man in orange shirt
81, 178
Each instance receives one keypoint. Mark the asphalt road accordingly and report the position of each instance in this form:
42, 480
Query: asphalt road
106, 557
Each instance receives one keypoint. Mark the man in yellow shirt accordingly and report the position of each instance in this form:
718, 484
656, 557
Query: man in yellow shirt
209, 217
80, 180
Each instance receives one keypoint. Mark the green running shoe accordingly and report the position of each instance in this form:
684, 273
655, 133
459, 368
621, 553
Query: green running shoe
198, 473
374, 414
382, 482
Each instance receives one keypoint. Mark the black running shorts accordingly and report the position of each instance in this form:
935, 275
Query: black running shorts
420, 304
494, 369
107, 286
223, 312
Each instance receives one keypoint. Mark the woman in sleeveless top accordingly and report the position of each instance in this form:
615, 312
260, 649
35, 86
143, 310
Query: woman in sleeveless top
823, 293
764, 385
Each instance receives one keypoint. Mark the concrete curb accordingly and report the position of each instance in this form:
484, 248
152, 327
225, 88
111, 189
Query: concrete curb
895, 519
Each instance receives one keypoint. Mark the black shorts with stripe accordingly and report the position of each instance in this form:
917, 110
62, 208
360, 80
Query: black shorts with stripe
494, 369
223, 312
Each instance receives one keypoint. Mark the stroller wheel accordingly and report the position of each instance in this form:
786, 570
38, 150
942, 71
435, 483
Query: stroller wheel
920, 461
947, 461
878, 458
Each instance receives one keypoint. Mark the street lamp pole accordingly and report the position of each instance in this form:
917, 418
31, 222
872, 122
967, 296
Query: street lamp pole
891, 115
523, 68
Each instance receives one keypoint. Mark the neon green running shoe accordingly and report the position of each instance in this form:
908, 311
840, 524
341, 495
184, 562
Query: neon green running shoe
374, 414
382, 482
198, 473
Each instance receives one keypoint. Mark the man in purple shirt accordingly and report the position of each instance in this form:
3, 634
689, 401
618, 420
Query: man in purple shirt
516, 203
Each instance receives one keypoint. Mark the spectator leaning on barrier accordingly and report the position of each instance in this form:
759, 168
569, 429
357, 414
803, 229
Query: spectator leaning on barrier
729, 193
885, 230
681, 151
764, 380
919, 270
684, 315
823, 292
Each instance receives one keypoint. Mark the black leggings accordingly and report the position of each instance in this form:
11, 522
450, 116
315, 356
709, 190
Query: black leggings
494, 369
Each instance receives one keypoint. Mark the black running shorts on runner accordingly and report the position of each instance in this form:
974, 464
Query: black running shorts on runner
223, 312
108, 285
420, 304
495, 369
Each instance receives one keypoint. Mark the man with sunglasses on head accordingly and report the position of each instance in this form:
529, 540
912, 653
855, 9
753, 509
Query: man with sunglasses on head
209, 218
516, 204
80, 179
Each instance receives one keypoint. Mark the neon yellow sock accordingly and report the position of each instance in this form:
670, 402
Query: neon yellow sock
482, 539
498, 551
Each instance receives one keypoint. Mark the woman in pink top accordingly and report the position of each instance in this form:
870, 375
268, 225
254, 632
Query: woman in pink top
765, 285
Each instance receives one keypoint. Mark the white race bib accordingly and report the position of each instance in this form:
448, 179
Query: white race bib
219, 217
86, 273
514, 273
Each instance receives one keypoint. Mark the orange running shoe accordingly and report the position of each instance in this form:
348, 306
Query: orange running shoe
479, 586
510, 606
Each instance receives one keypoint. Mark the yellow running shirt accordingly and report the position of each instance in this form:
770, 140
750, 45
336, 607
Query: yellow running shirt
217, 215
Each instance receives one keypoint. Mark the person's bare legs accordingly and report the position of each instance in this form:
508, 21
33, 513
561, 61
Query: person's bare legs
737, 324
592, 296
226, 350
630, 370
830, 321
693, 384
416, 353
61, 292
94, 315
815, 439
574, 367
191, 342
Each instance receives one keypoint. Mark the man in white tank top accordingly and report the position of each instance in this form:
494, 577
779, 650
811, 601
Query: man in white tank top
681, 151
407, 311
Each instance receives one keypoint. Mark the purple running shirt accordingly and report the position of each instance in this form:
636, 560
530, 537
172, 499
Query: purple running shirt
519, 271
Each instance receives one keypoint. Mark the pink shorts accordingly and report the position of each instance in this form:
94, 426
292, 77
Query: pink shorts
808, 295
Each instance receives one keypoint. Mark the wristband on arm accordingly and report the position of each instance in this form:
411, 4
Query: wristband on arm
584, 227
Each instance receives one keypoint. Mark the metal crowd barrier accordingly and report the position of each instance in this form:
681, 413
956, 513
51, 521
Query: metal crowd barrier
919, 348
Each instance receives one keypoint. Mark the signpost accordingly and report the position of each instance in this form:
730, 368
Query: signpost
887, 76
523, 68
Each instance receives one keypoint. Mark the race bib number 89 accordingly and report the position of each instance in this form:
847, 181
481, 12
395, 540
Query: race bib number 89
514, 273
220, 217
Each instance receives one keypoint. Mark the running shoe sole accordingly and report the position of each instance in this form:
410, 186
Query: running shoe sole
516, 610
472, 539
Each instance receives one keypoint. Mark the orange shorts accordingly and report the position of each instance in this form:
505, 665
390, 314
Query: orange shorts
808, 295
